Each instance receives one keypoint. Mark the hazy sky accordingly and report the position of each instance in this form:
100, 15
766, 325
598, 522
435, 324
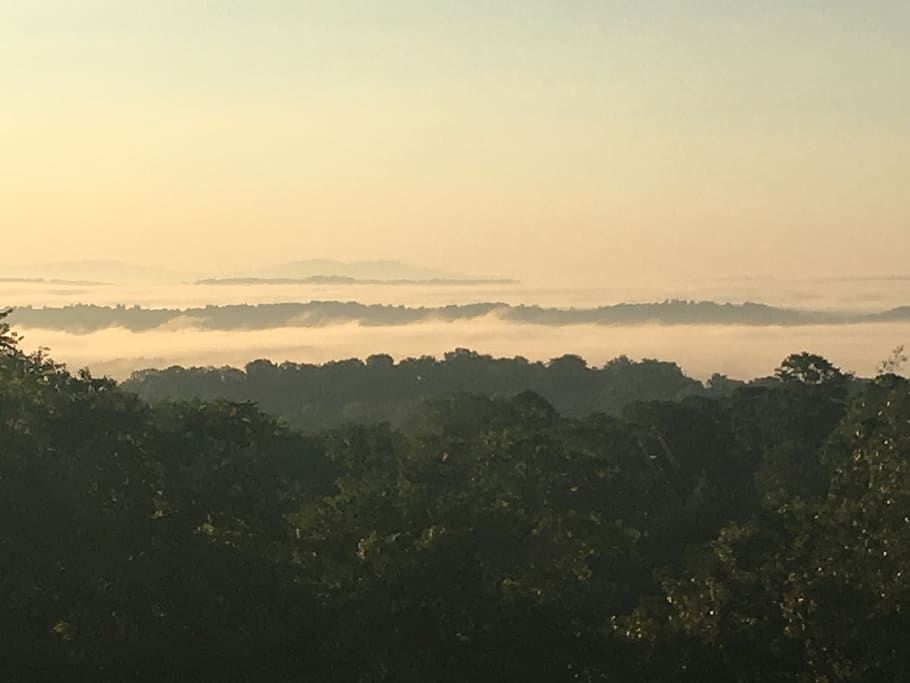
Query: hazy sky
570, 139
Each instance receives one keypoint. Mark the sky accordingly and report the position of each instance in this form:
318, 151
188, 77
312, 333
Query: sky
560, 141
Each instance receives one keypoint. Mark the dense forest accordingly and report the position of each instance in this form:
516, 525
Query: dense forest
311, 397
84, 318
758, 532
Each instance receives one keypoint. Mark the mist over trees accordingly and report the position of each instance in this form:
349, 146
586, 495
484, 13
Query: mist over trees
311, 396
372, 341
755, 533
84, 318
740, 532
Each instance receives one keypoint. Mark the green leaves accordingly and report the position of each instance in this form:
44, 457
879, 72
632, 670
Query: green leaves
751, 536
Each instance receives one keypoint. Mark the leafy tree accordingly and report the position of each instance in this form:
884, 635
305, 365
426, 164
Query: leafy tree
808, 368
8, 340
893, 364
813, 591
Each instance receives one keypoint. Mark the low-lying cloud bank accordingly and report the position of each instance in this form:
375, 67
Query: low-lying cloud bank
741, 351
314, 314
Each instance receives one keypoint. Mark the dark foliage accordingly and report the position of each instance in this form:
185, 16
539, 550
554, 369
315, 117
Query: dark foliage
315, 397
87, 318
757, 534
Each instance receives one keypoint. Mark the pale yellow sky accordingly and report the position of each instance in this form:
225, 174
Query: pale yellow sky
573, 141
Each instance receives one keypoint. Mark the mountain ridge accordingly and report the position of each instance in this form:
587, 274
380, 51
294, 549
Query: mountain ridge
84, 318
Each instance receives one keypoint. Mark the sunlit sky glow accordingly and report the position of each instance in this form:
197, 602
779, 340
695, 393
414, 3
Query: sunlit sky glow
566, 140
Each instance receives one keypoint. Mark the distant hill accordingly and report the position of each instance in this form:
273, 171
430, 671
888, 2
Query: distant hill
45, 281
359, 270
308, 271
87, 318
343, 280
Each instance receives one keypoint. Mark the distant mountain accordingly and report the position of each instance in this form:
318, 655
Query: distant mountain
343, 280
901, 313
311, 271
45, 281
359, 270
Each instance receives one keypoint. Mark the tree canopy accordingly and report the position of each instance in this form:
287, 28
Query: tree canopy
756, 534
309, 396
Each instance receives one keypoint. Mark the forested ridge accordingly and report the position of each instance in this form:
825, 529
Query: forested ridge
85, 318
309, 396
755, 533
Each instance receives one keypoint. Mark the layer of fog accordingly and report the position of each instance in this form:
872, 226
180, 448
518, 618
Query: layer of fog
738, 351
835, 294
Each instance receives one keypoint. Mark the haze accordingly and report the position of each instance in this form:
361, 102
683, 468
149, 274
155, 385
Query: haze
455, 340
573, 142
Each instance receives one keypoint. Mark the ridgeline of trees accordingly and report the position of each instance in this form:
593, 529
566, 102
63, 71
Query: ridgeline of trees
313, 397
83, 318
761, 534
